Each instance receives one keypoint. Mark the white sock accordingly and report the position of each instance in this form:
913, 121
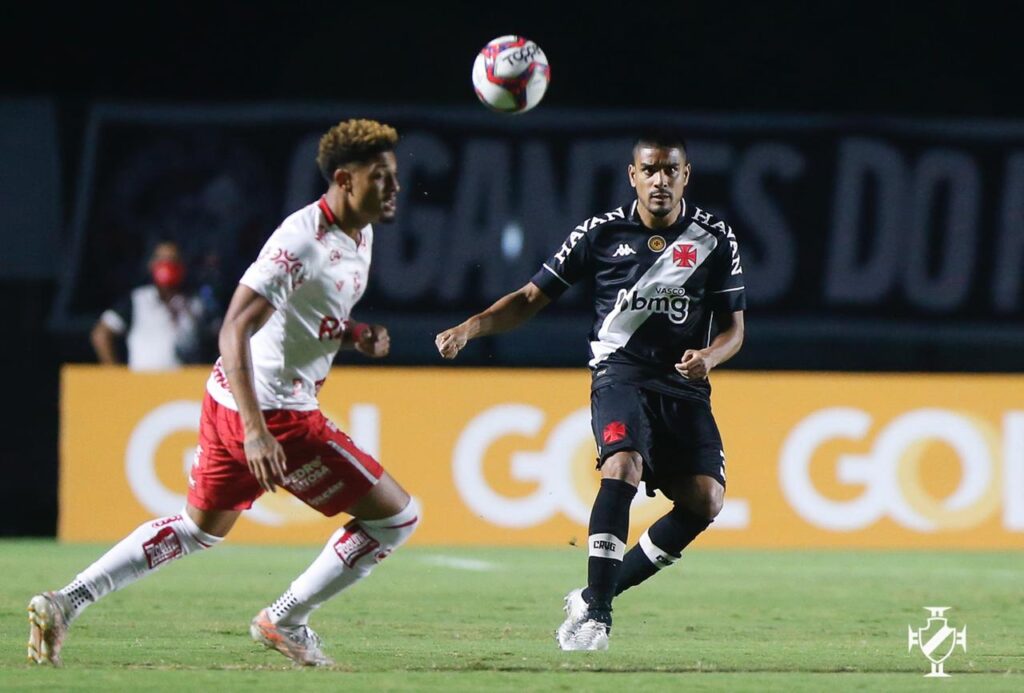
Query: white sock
152, 545
349, 556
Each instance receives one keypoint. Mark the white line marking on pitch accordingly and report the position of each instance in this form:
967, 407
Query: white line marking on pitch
460, 563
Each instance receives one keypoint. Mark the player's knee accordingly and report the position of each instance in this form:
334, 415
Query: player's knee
389, 533
713, 506
216, 523
198, 538
705, 505
626, 465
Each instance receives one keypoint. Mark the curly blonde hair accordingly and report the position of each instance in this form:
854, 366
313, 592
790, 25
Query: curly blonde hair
356, 139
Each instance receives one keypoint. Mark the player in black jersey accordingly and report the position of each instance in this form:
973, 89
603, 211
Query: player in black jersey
668, 303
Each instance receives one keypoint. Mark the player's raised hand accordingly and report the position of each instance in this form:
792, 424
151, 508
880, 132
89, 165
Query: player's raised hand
694, 365
266, 459
451, 342
374, 342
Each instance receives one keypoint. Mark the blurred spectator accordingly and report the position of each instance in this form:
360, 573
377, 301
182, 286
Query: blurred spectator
163, 325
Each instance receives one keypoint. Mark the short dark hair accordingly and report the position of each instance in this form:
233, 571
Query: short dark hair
154, 242
353, 140
660, 137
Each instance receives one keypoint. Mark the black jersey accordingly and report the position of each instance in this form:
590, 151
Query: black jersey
655, 292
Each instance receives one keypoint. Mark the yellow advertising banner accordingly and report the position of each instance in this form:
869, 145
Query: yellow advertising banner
506, 457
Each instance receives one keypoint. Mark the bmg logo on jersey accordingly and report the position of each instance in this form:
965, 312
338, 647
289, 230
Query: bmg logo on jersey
669, 300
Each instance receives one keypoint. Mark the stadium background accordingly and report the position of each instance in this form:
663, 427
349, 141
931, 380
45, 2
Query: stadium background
870, 156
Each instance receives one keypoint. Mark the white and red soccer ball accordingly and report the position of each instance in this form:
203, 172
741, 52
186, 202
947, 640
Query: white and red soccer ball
511, 74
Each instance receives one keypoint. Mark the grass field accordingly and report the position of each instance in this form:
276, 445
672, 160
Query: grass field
476, 619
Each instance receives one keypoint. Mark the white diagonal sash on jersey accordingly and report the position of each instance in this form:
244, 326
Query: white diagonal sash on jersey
620, 325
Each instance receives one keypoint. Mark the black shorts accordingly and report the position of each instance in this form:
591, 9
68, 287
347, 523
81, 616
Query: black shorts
675, 436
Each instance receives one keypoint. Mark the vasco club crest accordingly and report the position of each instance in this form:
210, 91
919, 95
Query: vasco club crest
936, 640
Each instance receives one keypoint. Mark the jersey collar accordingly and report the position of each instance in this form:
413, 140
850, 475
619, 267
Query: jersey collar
326, 209
636, 217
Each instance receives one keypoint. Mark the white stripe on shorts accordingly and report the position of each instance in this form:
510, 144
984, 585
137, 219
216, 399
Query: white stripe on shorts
354, 461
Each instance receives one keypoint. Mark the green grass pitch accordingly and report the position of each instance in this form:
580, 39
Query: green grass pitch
433, 619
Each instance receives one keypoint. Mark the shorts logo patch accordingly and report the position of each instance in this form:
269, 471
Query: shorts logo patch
164, 546
354, 544
614, 432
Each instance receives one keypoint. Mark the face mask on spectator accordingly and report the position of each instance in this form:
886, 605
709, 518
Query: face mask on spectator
168, 274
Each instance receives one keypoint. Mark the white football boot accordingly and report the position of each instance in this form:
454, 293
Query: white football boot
591, 635
300, 644
48, 619
575, 614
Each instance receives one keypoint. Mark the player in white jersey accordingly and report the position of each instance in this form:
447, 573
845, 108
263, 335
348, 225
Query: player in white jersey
261, 426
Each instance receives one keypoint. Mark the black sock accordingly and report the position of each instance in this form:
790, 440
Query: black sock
609, 528
664, 542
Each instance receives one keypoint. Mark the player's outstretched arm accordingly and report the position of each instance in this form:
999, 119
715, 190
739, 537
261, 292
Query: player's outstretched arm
697, 363
247, 313
508, 312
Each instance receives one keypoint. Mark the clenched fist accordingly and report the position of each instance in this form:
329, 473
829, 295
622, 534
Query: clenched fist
374, 342
695, 365
451, 342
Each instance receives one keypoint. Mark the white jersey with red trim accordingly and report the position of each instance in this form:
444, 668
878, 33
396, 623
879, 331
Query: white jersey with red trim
313, 274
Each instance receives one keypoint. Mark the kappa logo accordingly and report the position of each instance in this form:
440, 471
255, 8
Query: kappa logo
580, 231
624, 250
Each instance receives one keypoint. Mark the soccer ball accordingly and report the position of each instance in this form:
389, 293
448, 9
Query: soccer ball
511, 74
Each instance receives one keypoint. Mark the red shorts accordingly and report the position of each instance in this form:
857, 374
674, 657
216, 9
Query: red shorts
325, 469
